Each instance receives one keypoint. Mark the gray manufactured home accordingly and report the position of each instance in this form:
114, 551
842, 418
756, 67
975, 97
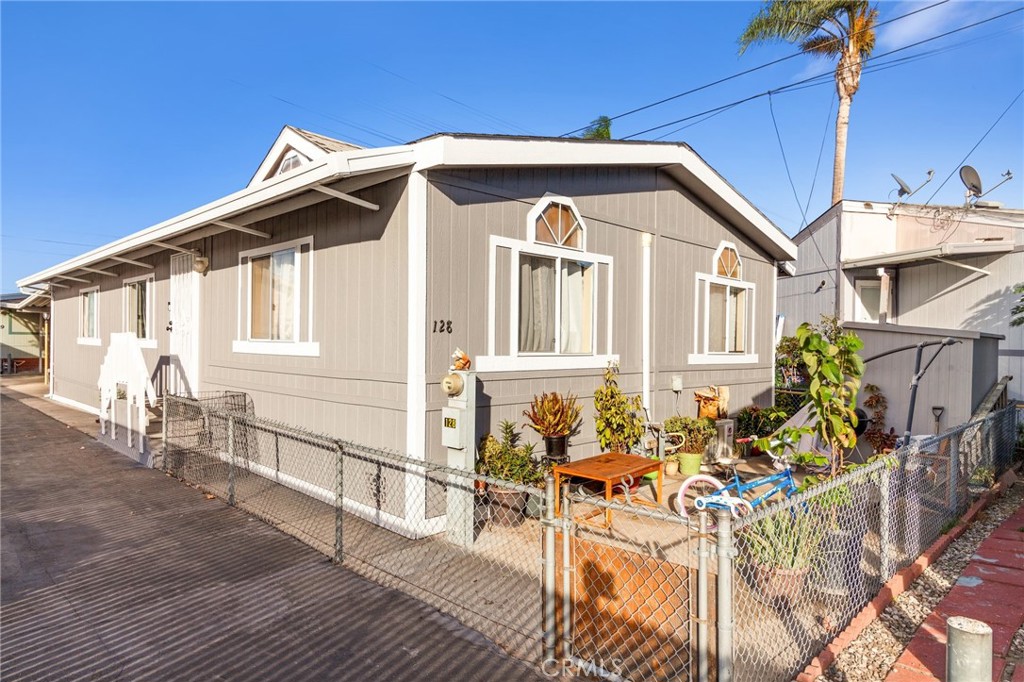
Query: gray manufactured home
334, 288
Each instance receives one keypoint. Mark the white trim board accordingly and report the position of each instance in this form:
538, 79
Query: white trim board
74, 403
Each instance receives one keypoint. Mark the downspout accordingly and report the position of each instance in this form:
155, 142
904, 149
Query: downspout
645, 324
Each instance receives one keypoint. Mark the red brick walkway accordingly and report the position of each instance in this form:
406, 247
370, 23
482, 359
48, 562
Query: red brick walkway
991, 589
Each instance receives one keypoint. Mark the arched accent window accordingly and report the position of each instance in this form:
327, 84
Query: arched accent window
724, 311
553, 294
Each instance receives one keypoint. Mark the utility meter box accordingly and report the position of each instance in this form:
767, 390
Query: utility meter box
726, 440
452, 420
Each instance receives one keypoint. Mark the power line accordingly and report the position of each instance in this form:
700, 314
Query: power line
966, 156
744, 73
792, 86
785, 161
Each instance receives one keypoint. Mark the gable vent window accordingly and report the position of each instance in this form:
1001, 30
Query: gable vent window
291, 161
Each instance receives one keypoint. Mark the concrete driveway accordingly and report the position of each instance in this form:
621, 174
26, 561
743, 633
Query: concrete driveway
113, 571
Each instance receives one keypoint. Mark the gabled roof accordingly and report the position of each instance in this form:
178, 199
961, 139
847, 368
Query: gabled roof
336, 173
310, 146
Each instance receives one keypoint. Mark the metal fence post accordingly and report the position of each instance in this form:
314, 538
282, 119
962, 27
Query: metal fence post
339, 499
702, 599
726, 551
231, 459
885, 542
954, 473
549, 567
567, 571
163, 434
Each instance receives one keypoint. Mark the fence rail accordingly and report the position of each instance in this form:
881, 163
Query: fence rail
638, 600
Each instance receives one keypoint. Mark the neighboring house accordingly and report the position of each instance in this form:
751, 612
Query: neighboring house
335, 286
903, 274
23, 332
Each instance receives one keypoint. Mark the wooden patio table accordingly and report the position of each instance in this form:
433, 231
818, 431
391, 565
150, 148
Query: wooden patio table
611, 469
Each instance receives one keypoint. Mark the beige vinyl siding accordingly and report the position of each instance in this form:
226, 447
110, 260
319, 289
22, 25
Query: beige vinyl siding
355, 389
76, 367
618, 205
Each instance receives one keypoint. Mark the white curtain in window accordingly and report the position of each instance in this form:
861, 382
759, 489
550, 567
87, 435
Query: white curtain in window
536, 304
576, 329
717, 318
283, 308
738, 320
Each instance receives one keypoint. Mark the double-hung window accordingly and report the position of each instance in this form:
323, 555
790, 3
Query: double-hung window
724, 311
88, 316
553, 295
275, 300
138, 309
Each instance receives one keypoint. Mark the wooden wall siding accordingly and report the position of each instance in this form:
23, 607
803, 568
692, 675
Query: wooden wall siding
945, 296
356, 388
800, 298
465, 207
76, 368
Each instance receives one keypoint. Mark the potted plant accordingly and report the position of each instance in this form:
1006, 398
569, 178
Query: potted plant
510, 461
618, 419
689, 439
783, 548
555, 418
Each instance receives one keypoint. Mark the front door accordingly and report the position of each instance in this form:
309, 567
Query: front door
183, 326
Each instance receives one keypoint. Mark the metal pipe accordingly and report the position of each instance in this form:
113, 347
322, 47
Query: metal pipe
702, 599
918, 375
567, 571
725, 616
968, 650
231, 460
549, 567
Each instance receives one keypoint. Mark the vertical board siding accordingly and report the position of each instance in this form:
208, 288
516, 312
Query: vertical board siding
618, 205
803, 298
356, 388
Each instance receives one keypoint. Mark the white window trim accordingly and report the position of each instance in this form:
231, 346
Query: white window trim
517, 361
859, 309
541, 206
699, 344
89, 340
148, 341
295, 347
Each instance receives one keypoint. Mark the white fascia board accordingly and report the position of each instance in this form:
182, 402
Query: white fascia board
947, 250
696, 174
223, 208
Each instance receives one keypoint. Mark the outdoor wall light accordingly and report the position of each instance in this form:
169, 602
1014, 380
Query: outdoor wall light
201, 264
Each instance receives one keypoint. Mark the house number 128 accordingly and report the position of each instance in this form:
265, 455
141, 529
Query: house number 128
442, 326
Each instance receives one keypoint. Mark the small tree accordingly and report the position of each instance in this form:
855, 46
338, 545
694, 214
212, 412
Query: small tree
618, 419
599, 129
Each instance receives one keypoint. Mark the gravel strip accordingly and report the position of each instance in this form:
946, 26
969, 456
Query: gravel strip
873, 653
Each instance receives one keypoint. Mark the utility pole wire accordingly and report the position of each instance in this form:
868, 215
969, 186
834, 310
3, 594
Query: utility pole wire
744, 73
785, 88
966, 156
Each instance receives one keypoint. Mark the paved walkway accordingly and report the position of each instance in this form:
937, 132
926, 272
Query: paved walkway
991, 589
111, 571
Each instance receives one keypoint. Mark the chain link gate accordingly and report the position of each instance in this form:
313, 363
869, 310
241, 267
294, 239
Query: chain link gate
628, 593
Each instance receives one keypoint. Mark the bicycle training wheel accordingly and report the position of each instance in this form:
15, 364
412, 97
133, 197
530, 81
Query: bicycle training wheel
696, 486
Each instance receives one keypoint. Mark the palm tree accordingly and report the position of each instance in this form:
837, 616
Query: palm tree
833, 28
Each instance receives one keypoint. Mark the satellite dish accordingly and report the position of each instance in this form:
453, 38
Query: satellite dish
971, 180
904, 187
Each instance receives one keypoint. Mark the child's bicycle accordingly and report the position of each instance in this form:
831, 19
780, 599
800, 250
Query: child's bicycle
702, 491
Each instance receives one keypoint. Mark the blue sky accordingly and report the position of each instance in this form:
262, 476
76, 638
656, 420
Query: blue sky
116, 116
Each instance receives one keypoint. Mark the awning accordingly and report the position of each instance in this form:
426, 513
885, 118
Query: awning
940, 252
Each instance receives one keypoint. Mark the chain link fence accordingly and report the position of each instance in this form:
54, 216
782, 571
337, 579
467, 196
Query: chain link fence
630, 593
620, 589
806, 566
426, 530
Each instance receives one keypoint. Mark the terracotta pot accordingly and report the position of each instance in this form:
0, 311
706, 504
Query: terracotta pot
780, 584
671, 467
507, 506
